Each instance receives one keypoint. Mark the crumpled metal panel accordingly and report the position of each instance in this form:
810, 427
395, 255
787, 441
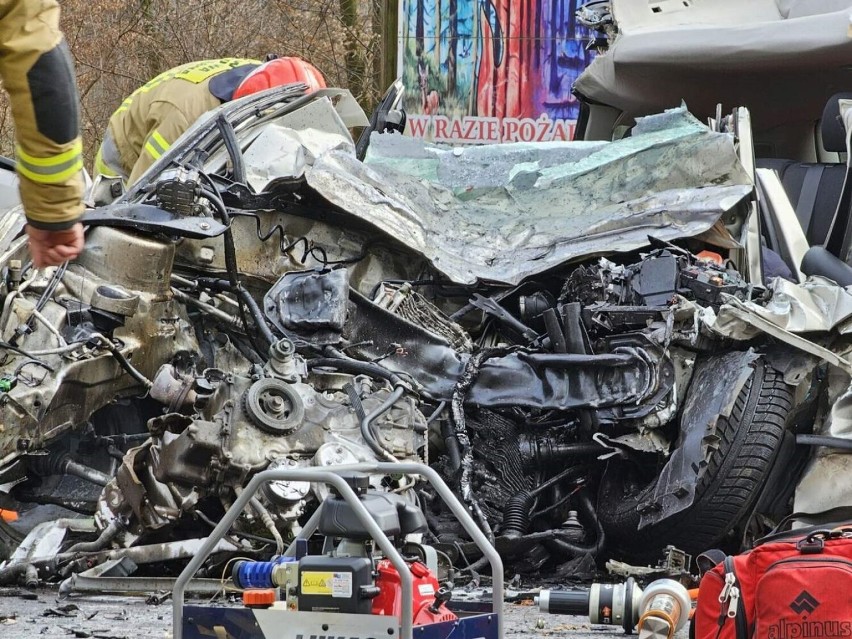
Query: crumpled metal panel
795, 310
827, 480
507, 212
283, 149
816, 305
722, 377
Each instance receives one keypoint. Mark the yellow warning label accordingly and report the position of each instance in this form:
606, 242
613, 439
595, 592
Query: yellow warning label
316, 583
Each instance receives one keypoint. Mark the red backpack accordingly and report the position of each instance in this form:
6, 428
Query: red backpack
794, 585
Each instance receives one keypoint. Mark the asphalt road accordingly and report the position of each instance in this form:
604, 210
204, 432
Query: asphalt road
112, 617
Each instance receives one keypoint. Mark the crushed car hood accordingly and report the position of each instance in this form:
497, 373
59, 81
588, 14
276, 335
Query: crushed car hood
506, 212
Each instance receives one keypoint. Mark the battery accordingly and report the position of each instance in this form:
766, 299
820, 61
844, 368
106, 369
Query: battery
336, 584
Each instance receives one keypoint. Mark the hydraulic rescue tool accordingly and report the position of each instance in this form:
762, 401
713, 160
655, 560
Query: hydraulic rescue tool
365, 583
658, 612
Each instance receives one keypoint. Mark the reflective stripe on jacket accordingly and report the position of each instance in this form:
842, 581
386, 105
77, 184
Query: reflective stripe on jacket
155, 115
38, 74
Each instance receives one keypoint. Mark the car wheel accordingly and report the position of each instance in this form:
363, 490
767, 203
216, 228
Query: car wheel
737, 470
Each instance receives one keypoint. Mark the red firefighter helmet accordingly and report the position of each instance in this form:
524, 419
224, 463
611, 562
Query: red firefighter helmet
278, 72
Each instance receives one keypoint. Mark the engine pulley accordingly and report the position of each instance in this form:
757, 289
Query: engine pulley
274, 406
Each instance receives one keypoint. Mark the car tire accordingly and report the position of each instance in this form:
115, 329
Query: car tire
737, 470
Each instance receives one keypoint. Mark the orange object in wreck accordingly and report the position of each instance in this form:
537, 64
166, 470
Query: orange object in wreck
710, 256
8, 515
259, 597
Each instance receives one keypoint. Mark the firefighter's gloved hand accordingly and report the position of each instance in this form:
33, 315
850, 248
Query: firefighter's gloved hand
51, 248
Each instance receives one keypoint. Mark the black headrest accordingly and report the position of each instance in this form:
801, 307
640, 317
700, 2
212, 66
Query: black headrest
833, 131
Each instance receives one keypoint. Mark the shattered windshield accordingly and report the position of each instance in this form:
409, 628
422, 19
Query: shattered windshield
507, 211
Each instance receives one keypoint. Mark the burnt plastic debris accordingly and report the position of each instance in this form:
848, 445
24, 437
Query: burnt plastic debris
312, 304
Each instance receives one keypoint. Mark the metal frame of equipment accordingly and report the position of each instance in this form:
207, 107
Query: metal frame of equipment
255, 622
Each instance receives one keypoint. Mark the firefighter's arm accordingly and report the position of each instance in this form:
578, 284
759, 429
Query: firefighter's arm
38, 74
168, 123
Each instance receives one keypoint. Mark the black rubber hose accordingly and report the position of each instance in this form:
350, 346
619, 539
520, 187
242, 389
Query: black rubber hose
568, 360
106, 536
452, 444
233, 147
216, 200
367, 425
572, 321
257, 315
245, 298
218, 284
554, 331
356, 367
126, 365
838, 443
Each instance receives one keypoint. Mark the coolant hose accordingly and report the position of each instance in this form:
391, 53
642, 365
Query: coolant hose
107, 535
11, 574
356, 367
367, 425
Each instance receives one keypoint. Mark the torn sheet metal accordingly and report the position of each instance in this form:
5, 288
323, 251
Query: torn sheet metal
475, 217
307, 127
284, 149
826, 484
817, 305
724, 377
827, 481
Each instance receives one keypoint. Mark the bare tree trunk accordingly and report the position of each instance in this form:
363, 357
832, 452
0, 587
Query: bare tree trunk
438, 33
453, 46
352, 56
390, 42
419, 29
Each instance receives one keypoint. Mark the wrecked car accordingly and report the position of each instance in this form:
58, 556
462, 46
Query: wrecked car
577, 336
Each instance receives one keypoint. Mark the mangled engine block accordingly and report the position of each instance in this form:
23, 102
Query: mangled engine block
220, 428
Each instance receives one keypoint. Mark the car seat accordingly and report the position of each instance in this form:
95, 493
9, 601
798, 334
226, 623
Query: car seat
814, 188
829, 259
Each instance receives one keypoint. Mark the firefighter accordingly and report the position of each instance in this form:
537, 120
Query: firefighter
155, 115
38, 74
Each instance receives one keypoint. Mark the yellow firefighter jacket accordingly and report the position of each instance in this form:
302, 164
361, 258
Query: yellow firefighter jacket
155, 115
38, 75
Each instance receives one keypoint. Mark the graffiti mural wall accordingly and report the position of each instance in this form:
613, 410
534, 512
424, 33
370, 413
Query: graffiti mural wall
491, 70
